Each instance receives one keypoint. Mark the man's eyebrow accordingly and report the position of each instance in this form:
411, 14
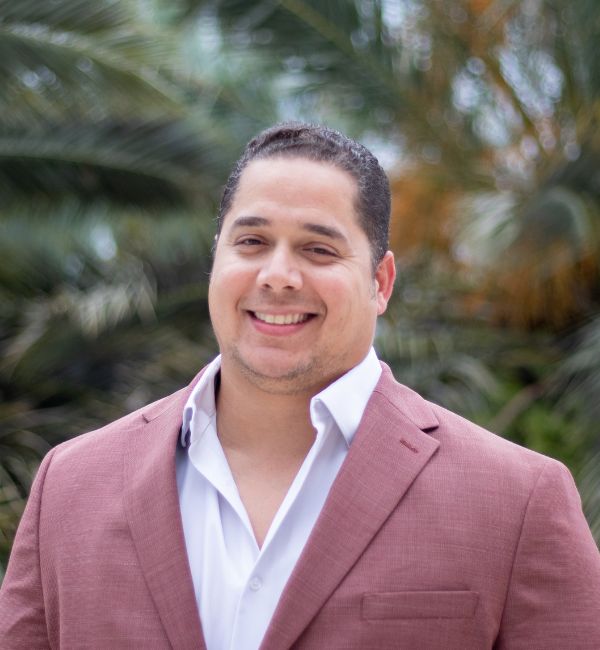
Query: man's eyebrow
326, 231
317, 228
250, 221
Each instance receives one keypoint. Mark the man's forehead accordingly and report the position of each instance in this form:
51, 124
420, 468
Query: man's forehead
263, 176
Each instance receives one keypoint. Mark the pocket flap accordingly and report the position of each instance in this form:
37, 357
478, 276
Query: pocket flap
419, 604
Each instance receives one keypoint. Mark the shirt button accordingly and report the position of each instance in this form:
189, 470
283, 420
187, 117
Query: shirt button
255, 584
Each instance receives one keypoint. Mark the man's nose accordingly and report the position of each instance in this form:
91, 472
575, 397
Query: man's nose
280, 270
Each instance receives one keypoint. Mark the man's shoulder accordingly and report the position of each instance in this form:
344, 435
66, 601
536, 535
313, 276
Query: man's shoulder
468, 438
109, 441
465, 444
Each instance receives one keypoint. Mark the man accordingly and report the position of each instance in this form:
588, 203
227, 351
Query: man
294, 494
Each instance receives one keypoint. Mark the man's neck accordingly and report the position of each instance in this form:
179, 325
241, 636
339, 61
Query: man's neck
265, 438
261, 422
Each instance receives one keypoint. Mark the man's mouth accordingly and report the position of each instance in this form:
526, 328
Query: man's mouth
281, 319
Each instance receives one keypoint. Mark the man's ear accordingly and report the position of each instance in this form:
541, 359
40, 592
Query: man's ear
385, 275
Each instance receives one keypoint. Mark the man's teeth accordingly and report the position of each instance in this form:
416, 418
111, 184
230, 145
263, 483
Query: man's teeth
281, 319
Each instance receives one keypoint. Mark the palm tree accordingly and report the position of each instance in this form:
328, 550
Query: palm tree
111, 149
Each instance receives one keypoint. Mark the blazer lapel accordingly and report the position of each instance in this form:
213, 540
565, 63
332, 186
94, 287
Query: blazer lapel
152, 507
390, 449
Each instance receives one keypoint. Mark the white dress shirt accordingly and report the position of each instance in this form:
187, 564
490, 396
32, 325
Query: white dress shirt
238, 584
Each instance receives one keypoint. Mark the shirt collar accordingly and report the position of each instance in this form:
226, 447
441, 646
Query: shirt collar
345, 399
201, 400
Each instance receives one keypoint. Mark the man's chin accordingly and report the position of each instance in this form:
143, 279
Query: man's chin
280, 376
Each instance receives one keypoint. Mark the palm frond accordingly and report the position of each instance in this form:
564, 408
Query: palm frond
577, 378
20, 454
60, 59
588, 481
136, 162
537, 255
71, 15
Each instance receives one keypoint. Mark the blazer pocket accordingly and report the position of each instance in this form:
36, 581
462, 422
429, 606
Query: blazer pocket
419, 604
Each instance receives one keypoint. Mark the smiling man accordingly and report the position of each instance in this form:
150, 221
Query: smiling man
296, 495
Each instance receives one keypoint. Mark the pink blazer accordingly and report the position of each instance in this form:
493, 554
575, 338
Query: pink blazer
436, 535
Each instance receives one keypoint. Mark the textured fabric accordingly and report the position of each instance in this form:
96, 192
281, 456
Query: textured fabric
435, 534
238, 585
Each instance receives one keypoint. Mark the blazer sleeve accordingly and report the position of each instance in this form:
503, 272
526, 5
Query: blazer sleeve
22, 615
553, 600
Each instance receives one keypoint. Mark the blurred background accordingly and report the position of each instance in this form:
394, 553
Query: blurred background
119, 120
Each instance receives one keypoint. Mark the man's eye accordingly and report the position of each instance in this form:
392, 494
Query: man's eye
249, 241
319, 250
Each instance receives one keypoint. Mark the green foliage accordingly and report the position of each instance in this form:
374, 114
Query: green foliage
120, 118
89, 108
103, 315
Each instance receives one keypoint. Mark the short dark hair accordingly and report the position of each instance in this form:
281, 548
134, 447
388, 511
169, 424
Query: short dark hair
322, 144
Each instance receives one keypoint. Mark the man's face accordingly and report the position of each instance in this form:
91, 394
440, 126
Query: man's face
293, 299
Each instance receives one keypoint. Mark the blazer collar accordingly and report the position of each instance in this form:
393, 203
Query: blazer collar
389, 451
152, 509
